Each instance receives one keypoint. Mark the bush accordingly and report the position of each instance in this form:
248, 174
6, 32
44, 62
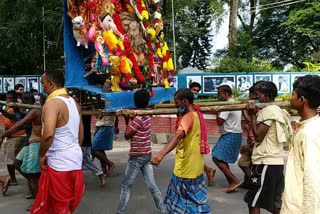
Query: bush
238, 65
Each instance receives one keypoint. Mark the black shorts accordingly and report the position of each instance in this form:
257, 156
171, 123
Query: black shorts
265, 187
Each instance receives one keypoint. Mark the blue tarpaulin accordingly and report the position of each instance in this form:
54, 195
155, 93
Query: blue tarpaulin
74, 59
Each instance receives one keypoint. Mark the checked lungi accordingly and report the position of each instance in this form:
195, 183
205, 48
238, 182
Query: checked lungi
186, 195
227, 147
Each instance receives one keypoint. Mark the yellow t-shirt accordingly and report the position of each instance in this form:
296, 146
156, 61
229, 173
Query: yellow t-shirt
270, 150
189, 162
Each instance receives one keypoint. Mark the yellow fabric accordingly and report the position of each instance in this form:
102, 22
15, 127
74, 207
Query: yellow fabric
270, 150
59, 92
302, 189
189, 161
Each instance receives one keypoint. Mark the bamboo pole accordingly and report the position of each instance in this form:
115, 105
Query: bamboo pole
172, 105
164, 111
19, 105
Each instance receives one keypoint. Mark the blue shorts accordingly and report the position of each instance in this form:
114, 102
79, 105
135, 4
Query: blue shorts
103, 140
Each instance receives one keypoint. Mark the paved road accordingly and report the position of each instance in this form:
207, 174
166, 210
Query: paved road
105, 200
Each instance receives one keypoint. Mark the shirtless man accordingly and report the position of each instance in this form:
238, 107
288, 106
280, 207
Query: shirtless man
61, 184
30, 164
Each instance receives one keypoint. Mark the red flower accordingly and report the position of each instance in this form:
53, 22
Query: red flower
165, 74
128, 76
91, 3
152, 94
173, 71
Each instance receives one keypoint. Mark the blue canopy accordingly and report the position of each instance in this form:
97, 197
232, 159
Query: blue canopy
74, 59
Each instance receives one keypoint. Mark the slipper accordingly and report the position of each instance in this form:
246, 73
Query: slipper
5, 187
110, 169
233, 190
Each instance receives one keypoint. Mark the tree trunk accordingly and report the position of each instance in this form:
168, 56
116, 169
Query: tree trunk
233, 25
253, 4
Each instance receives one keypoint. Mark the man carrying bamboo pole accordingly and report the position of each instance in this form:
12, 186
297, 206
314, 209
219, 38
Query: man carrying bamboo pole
195, 89
13, 143
187, 192
227, 148
271, 129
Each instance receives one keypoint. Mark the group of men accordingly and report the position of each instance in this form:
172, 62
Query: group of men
57, 133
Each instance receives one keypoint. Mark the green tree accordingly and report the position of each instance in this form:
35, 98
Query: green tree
21, 36
193, 29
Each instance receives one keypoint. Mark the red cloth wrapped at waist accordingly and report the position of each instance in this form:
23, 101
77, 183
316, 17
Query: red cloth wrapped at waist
58, 192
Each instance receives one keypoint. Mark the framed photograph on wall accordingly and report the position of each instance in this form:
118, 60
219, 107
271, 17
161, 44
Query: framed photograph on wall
33, 83
262, 77
191, 79
282, 82
175, 82
22, 81
244, 82
212, 83
8, 84
1, 85
294, 77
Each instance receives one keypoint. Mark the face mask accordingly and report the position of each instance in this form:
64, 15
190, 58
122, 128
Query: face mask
195, 96
181, 110
257, 101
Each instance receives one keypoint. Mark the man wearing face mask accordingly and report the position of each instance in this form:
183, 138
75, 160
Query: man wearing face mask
227, 148
195, 89
187, 192
271, 128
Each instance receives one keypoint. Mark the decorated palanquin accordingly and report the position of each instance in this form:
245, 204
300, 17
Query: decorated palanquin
125, 40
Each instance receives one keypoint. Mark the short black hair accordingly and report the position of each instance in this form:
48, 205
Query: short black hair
28, 97
56, 76
141, 98
13, 93
309, 87
43, 98
267, 88
252, 88
195, 84
226, 88
32, 90
16, 87
185, 93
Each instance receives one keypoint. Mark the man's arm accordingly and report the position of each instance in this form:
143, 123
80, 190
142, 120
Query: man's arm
50, 116
11, 115
81, 132
156, 159
220, 120
129, 131
19, 125
259, 130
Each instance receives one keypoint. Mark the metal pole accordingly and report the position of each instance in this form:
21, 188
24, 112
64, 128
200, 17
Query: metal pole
44, 42
174, 38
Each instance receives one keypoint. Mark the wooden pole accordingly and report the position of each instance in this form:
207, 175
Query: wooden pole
172, 105
19, 105
164, 111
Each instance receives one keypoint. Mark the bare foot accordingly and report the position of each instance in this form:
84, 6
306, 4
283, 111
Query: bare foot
210, 174
110, 169
102, 179
230, 188
5, 186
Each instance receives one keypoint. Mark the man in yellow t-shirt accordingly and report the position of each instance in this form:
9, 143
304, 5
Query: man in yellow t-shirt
187, 192
271, 128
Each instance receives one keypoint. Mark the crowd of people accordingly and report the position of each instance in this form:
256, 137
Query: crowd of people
50, 145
